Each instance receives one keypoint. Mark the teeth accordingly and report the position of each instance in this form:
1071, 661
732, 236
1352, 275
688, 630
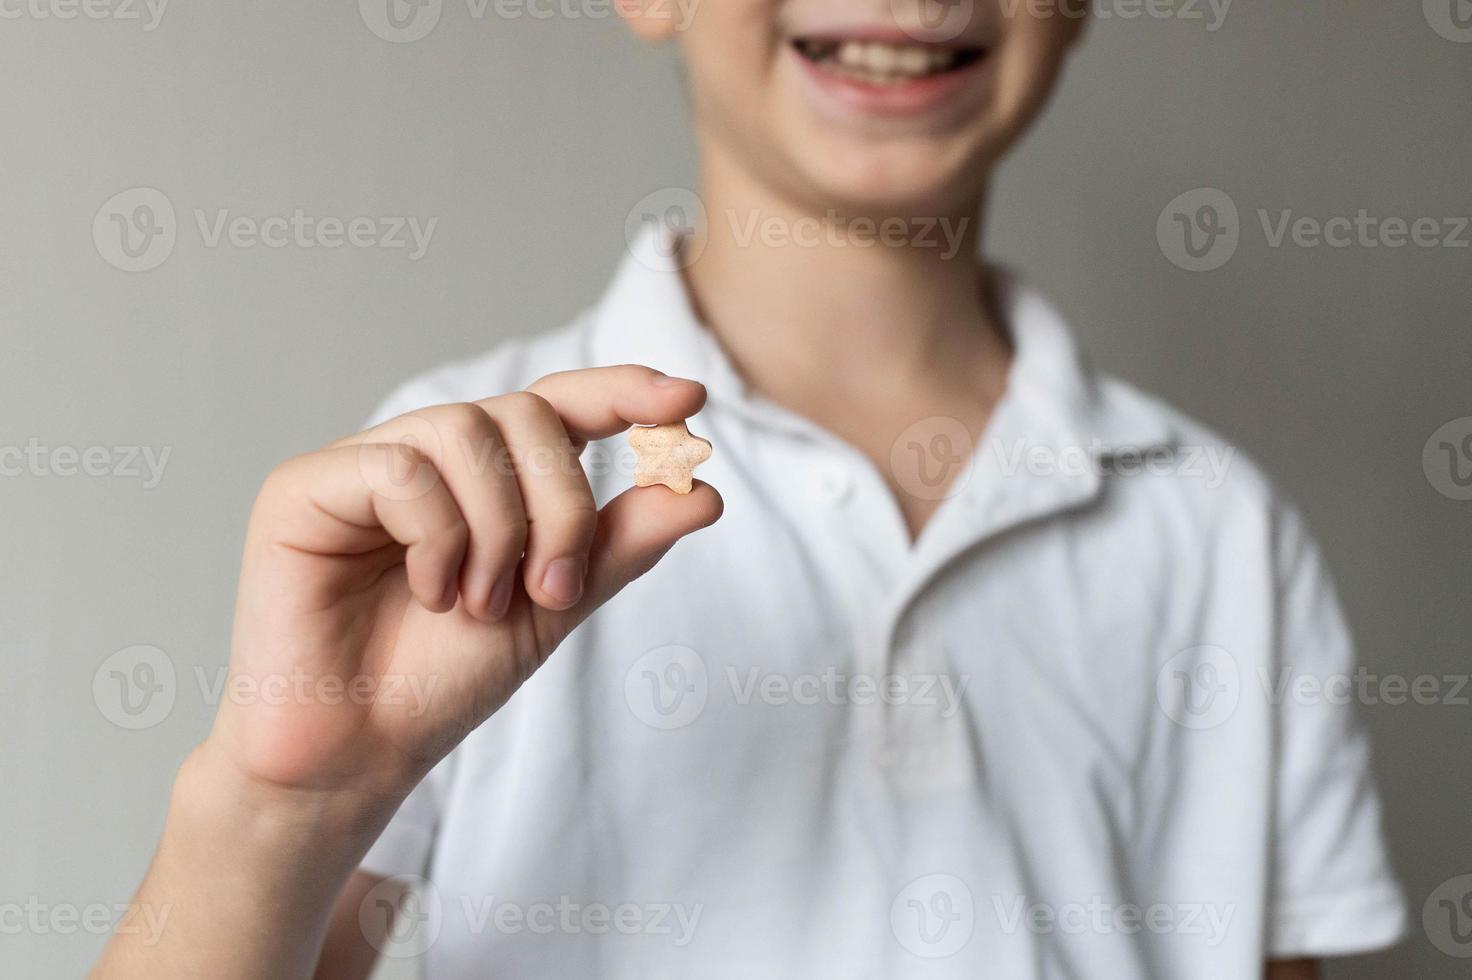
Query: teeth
881, 58
882, 63
912, 61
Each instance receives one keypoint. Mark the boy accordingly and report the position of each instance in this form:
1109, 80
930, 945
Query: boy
964, 683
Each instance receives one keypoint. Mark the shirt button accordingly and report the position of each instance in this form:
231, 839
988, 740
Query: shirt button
831, 484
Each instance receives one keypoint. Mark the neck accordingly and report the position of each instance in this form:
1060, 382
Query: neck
824, 308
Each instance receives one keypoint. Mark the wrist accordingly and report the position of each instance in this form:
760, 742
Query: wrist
236, 808
246, 874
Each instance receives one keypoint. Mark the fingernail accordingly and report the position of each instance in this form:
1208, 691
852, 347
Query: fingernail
668, 381
501, 596
563, 579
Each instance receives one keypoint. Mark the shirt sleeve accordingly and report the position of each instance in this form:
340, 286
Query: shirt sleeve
1332, 891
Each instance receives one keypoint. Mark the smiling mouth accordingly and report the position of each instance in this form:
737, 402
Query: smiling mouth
881, 64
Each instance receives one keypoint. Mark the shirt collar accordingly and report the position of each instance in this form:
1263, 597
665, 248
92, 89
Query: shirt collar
645, 317
1053, 385
1053, 397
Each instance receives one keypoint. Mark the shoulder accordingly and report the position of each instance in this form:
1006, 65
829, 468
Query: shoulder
1200, 516
509, 366
1195, 473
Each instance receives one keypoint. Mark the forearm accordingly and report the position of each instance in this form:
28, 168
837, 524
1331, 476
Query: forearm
244, 877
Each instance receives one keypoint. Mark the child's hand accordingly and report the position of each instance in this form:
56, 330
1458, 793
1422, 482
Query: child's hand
399, 585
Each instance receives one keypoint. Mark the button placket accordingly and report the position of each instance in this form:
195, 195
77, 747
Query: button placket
922, 739
831, 483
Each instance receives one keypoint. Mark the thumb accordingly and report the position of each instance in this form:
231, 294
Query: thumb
635, 529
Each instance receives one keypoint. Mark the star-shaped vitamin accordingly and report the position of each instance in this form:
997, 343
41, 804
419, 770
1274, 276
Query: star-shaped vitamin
668, 454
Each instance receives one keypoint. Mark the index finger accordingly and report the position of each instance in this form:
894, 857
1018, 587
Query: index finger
595, 403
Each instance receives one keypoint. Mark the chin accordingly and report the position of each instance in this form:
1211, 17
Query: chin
906, 177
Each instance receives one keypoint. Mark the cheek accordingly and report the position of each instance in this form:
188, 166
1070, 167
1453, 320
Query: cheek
729, 55
1028, 65
728, 37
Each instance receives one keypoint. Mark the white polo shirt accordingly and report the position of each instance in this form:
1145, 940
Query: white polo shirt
1066, 733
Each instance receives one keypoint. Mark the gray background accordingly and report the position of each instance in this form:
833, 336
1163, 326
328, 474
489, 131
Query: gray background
530, 140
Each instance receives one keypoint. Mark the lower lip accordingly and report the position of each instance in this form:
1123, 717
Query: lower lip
910, 98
